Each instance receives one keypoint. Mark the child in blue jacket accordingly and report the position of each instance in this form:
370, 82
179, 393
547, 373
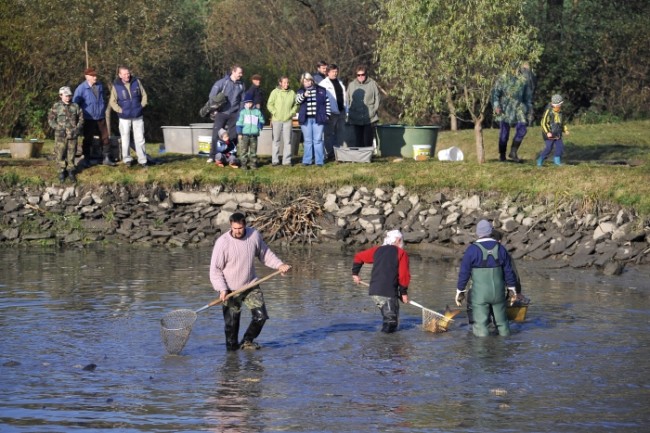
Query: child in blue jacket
249, 125
225, 151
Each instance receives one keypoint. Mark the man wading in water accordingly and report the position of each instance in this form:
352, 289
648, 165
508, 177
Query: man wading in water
389, 278
487, 263
233, 266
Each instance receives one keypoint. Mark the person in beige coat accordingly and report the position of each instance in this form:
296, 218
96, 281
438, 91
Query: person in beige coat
363, 102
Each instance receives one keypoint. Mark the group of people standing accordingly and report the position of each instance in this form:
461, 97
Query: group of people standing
323, 105
84, 112
512, 103
486, 263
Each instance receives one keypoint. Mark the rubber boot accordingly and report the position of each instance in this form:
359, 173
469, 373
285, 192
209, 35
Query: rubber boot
62, 176
502, 151
390, 315
257, 323
540, 161
481, 318
72, 176
231, 321
513, 151
557, 160
501, 319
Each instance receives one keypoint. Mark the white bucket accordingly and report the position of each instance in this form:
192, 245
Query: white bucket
421, 152
204, 143
451, 154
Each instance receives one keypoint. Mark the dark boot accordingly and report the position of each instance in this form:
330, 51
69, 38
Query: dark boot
62, 176
502, 150
231, 322
390, 315
513, 151
257, 323
72, 176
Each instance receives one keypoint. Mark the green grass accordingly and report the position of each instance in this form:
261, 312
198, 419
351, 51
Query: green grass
606, 163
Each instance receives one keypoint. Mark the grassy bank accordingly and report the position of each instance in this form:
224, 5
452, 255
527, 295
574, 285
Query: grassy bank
604, 163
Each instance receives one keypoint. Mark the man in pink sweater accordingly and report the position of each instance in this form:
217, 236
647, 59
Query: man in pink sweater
233, 266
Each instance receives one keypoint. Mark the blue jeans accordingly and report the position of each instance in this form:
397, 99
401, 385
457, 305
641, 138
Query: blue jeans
312, 134
551, 143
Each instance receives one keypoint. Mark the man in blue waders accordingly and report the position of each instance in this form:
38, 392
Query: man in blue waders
489, 266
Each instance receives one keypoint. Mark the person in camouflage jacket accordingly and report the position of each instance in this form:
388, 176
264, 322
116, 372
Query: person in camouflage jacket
512, 101
66, 118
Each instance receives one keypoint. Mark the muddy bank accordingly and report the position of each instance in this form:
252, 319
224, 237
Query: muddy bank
558, 233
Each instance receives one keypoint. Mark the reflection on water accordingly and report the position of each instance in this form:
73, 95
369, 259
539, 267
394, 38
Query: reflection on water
579, 363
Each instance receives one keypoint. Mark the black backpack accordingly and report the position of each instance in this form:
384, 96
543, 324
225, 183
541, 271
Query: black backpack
214, 104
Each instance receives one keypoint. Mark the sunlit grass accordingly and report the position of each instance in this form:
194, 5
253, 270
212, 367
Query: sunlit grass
604, 163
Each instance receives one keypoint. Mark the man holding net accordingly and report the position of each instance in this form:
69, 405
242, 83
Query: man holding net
233, 266
389, 278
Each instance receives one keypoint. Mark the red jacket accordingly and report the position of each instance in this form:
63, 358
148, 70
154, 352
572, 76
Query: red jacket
390, 274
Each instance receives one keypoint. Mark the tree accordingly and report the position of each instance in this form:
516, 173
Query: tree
597, 54
450, 52
44, 49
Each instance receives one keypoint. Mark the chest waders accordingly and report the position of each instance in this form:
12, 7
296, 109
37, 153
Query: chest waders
488, 289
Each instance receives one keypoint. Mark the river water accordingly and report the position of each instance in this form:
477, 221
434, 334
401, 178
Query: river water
580, 362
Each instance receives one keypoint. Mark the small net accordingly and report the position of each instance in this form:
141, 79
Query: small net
175, 328
435, 322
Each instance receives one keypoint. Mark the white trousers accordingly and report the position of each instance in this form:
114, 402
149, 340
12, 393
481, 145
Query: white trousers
138, 137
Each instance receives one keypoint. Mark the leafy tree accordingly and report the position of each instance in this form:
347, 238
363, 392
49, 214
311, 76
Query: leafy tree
44, 50
597, 54
450, 52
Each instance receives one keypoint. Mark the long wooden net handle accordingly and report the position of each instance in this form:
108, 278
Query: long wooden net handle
218, 301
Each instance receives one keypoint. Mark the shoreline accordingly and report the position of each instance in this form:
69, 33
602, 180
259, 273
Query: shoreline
555, 234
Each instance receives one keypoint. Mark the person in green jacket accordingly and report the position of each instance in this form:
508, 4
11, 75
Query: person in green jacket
248, 125
282, 106
512, 102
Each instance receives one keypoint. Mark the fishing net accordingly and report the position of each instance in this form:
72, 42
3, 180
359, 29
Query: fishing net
435, 322
175, 328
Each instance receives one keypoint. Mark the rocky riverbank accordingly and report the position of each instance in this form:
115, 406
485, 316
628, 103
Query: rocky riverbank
560, 233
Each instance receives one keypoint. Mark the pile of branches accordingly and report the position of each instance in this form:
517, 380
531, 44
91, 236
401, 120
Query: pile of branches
293, 222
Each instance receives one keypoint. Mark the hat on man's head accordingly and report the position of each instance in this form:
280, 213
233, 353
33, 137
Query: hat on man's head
248, 97
90, 71
392, 236
256, 77
65, 90
557, 99
483, 229
222, 132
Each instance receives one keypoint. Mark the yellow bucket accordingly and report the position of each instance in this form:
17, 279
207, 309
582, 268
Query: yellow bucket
421, 152
517, 313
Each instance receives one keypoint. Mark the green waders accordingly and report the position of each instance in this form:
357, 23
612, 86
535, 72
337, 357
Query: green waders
488, 289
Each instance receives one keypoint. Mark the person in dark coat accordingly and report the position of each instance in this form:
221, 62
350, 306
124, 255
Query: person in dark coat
256, 91
389, 278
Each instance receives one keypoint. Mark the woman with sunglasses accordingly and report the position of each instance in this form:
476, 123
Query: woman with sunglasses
363, 100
